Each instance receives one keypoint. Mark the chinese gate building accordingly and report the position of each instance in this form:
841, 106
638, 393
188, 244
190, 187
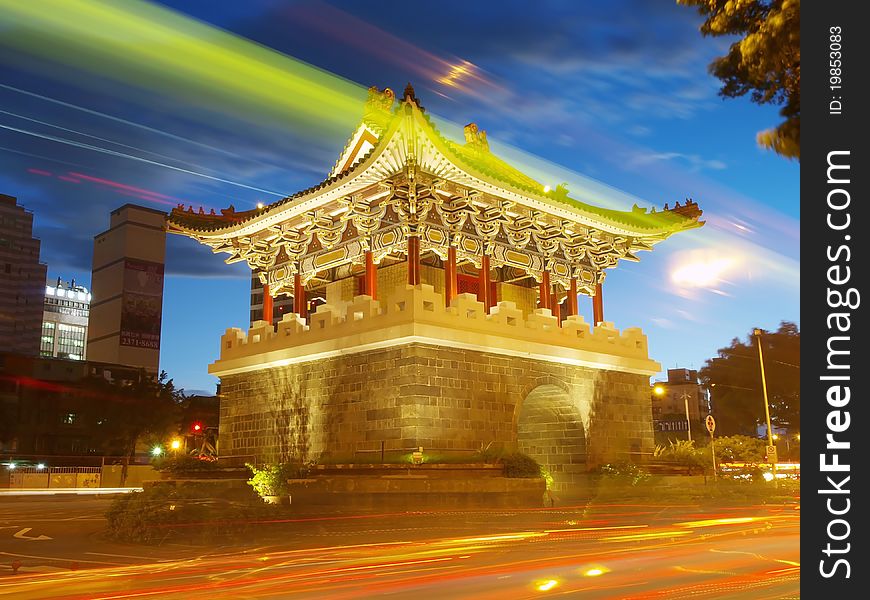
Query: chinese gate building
435, 292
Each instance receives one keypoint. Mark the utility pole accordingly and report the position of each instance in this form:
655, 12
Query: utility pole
770, 442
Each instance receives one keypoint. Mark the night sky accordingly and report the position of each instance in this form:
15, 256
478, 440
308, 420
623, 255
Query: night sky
617, 92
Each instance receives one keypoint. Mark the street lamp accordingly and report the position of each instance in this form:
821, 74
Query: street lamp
659, 390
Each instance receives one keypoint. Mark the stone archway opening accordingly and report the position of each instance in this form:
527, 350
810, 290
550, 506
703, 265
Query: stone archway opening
550, 430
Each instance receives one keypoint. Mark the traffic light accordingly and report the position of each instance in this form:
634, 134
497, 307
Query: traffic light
196, 427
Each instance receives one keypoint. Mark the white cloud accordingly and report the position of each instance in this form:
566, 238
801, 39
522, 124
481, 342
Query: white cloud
695, 162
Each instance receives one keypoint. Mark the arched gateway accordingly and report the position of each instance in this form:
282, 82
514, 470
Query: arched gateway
397, 357
550, 429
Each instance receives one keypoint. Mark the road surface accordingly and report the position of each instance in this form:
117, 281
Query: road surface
625, 551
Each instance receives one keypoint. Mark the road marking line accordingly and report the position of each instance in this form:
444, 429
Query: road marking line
22, 535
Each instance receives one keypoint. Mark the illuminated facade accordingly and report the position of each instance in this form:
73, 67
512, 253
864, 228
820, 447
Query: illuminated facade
65, 321
450, 283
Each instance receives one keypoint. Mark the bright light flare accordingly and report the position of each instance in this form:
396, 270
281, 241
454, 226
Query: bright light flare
595, 572
156, 451
546, 586
175, 445
40, 466
768, 476
659, 390
702, 271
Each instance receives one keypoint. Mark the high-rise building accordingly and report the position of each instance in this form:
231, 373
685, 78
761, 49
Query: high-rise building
127, 288
65, 320
22, 280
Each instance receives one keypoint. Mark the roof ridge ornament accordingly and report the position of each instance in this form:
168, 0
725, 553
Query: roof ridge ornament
475, 137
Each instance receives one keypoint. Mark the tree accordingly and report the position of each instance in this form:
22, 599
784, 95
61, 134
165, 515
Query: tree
135, 411
734, 379
765, 61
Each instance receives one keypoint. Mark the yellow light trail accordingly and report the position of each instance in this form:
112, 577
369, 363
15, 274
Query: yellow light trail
646, 536
145, 45
714, 522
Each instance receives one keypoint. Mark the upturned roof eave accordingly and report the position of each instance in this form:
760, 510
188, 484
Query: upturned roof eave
305, 200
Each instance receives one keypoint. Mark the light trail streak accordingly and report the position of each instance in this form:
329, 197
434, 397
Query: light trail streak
145, 45
122, 121
646, 536
82, 145
42, 157
140, 192
95, 137
261, 576
715, 522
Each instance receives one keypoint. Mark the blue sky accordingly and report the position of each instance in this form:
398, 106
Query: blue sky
617, 92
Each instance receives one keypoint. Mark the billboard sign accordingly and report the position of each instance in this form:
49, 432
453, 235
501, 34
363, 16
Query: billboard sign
142, 304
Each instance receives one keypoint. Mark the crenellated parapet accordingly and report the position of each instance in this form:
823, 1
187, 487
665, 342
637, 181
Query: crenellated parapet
418, 314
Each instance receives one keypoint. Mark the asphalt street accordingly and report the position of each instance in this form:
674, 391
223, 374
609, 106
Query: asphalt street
596, 551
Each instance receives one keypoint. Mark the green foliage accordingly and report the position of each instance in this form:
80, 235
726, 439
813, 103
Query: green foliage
734, 380
624, 472
488, 454
518, 464
764, 61
678, 451
271, 480
183, 464
548, 477
740, 448
133, 411
189, 512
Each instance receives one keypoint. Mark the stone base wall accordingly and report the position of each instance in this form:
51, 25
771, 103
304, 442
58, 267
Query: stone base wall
437, 397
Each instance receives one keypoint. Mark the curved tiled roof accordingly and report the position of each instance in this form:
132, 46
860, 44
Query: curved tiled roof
477, 161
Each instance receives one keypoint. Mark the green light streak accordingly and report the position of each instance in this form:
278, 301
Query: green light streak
147, 46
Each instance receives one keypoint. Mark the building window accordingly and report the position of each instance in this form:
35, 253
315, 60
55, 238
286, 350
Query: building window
46, 343
69, 418
71, 341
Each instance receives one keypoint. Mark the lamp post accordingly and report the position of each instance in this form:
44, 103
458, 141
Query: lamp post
688, 420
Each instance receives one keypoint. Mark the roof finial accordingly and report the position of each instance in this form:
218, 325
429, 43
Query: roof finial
409, 93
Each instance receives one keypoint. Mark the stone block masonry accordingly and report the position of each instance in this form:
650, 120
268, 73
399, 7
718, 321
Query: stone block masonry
345, 388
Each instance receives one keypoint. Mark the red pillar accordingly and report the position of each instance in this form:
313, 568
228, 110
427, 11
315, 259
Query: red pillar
300, 307
451, 285
597, 306
572, 297
267, 304
371, 276
483, 283
544, 291
557, 310
414, 260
